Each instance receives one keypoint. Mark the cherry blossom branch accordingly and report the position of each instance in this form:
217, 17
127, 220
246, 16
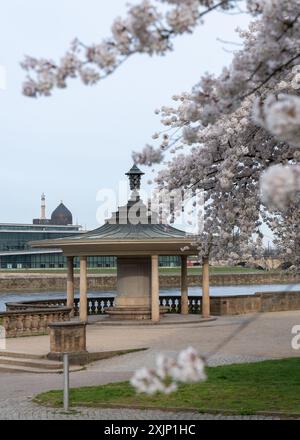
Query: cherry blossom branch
144, 30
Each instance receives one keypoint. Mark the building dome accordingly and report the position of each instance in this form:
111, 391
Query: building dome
61, 216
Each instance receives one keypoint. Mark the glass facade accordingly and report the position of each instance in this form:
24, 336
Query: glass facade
15, 252
49, 261
17, 241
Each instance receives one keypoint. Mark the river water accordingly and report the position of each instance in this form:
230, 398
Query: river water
193, 291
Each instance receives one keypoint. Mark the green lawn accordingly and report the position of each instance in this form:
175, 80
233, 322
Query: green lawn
162, 270
269, 386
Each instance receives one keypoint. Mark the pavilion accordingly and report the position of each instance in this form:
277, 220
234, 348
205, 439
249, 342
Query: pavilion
135, 236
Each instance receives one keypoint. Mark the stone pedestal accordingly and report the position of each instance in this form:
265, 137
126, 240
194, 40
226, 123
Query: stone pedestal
68, 337
133, 301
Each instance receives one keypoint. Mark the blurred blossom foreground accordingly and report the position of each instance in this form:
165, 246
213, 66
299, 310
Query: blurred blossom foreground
168, 372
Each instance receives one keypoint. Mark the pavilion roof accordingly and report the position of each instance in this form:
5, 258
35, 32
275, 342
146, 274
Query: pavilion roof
120, 230
132, 232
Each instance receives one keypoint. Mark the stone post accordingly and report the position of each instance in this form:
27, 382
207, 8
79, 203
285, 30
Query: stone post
184, 286
68, 337
70, 283
205, 288
83, 314
154, 289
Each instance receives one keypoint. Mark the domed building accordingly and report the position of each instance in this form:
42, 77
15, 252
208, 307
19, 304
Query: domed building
15, 249
61, 216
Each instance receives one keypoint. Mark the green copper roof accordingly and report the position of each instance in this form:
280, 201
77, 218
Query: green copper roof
134, 170
131, 232
133, 221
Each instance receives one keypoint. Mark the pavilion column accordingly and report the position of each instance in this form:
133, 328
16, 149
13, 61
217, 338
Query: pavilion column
70, 283
83, 289
154, 288
205, 288
184, 286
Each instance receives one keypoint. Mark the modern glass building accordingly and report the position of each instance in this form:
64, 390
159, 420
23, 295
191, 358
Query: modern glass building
16, 253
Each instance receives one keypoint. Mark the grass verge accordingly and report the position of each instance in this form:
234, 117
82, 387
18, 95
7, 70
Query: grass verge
268, 386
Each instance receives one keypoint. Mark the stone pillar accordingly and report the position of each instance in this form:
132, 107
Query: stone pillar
134, 282
70, 282
83, 289
184, 286
205, 288
154, 289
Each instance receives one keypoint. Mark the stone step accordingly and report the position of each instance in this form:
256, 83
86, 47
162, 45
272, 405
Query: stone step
27, 369
32, 363
20, 355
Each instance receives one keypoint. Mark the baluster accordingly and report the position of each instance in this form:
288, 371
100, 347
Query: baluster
5, 324
27, 323
43, 321
76, 307
47, 322
20, 323
96, 306
93, 307
12, 330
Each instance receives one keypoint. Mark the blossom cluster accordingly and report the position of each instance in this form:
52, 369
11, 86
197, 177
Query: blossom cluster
188, 367
280, 186
280, 115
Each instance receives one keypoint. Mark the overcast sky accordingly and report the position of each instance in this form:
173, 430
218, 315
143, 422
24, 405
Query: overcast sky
80, 140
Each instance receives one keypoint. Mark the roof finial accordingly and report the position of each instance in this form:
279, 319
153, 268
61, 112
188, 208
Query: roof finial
134, 175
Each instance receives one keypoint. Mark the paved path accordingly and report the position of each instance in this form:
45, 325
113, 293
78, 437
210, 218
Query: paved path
24, 409
264, 336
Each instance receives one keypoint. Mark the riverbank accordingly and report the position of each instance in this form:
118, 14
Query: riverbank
19, 282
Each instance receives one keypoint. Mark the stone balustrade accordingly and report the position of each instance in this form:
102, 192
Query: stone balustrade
33, 317
35, 304
173, 304
98, 305
32, 321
